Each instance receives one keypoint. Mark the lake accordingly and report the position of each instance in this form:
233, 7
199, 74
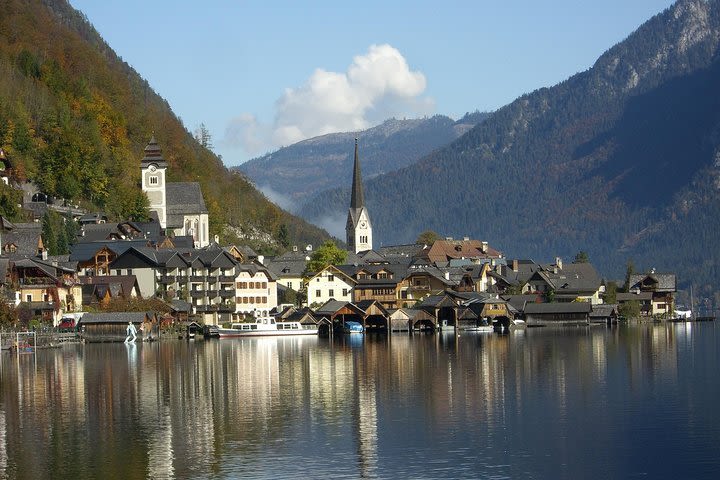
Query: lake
635, 401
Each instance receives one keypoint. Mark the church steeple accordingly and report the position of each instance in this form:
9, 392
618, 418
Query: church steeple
152, 168
358, 229
357, 200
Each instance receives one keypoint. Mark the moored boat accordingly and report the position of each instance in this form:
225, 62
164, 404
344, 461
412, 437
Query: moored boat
266, 326
352, 327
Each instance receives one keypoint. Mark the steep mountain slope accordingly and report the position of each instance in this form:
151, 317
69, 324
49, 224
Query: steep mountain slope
321, 163
74, 118
621, 161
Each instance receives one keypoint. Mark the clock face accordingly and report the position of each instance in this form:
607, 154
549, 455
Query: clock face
153, 168
363, 224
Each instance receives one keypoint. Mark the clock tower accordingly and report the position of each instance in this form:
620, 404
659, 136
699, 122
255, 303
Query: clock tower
153, 167
358, 228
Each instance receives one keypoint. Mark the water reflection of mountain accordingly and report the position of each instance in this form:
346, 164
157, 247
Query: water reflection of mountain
177, 409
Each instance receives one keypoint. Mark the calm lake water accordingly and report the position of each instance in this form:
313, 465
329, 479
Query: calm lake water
625, 402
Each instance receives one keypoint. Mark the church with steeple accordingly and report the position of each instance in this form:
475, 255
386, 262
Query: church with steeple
179, 206
358, 228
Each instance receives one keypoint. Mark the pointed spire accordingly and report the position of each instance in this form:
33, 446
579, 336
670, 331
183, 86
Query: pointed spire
357, 200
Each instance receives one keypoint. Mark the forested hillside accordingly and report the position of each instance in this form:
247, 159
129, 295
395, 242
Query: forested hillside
317, 164
74, 119
621, 161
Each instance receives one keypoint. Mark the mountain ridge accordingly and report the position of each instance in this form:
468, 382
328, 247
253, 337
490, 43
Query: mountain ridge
588, 164
322, 162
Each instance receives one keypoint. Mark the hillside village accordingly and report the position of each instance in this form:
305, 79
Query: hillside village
450, 282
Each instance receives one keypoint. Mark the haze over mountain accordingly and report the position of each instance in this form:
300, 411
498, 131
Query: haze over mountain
74, 119
291, 174
622, 161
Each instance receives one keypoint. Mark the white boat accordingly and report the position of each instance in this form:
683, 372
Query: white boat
266, 326
481, 328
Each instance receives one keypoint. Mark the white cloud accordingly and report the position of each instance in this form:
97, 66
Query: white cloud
376, 86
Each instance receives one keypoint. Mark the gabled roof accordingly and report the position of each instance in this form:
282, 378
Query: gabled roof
331, 307
574, 278
437, 301
336, 271
84, 252
658, 282
366, 305
183, 198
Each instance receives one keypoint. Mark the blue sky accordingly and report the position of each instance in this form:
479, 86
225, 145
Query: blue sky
263, 74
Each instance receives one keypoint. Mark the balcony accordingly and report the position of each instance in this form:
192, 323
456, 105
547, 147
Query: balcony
227, 279
197, 278
167, 279
212, 293
198, 293
227, 293
212, 280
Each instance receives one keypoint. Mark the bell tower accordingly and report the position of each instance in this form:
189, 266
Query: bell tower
358, 229
153, 167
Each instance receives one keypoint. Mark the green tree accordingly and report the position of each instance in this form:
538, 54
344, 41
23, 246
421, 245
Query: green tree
629, 271
283, 236
327, 254
427, 237
8, 315
610, 292
581, 257
71, 229
9, 201
630, 309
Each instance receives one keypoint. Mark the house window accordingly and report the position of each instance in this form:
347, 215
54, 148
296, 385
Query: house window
264, 284
331, 278
345, 292
317, 293
154, 180
289, 284
331, 293
28, 297
382, 275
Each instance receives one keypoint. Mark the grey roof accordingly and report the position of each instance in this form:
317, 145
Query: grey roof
437, 300
183, 198
625, 297
666, 282
289, 264
113, 317
183, 241
25, 236
574, 278
604, 310
95, 232
181, 306
83, 252
330, 307
518, 301
570, 307
409, 250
